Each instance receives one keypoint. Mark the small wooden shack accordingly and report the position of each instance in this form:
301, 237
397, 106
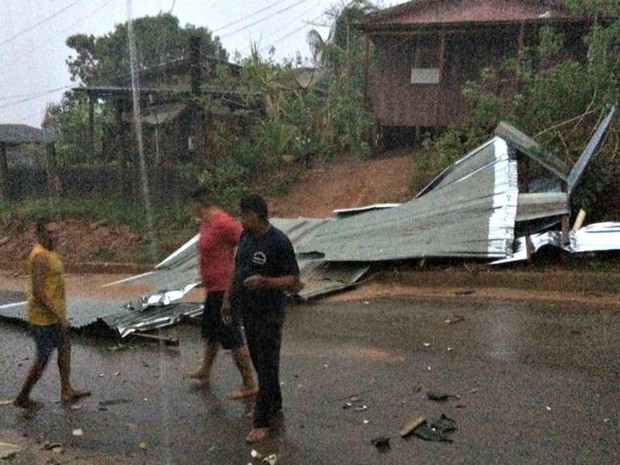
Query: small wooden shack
19, 135
426, 50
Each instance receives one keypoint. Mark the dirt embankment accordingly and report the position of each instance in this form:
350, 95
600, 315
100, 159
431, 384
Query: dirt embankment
348, 182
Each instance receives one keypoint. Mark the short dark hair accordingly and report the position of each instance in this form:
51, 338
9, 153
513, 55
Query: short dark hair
254, 203
202, 196
41, 227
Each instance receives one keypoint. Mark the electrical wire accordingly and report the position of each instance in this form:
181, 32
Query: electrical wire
63, 31
5, 41
249, 16
36, 96
280, 39
263, 19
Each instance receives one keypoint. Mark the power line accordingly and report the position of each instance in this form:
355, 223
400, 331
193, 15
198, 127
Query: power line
96, 10
35, 96
264, 19
249, 16
39, 23
305, 24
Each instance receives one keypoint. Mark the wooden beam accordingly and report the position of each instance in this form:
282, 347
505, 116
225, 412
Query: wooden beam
440, 86
91, 128
4, 173
366, 69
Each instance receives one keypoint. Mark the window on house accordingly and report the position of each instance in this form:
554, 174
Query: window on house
426, 66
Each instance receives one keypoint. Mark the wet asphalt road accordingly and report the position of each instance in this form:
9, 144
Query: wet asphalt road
533, 384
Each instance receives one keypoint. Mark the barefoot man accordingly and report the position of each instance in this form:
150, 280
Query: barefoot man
47, 315
218, 237
265, 266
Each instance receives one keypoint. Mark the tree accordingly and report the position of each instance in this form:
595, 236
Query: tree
342, 55
159, 39
343, 49
69, 122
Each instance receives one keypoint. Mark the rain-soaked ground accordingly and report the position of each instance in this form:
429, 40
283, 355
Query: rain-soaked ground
527, 383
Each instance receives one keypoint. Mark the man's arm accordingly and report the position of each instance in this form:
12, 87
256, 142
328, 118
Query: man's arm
283, 283
40, 269
226, 306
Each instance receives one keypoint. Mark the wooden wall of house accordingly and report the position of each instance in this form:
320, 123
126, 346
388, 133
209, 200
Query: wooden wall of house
399, 103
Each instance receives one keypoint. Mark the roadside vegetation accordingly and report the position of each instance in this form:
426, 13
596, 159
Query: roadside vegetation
559, 102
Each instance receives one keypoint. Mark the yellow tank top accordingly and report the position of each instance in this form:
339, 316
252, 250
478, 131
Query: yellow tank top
53, 285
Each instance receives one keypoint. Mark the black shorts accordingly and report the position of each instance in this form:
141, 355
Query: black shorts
47, 338
230, 336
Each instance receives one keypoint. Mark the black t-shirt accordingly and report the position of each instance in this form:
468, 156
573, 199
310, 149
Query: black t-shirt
269, 255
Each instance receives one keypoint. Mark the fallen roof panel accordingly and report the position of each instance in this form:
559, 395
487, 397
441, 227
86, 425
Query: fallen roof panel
470, 211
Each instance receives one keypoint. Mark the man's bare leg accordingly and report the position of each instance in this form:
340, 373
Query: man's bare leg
257, 435
203, 373
23, 399
68, 394
241, 356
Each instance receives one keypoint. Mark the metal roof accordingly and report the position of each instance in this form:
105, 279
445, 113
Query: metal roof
17, 134
468, 210
179, 272
432, 13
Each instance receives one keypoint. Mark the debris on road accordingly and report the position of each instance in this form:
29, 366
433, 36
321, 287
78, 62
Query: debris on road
426, 432
454, 319
381, 443
411, 424
106, 403
443, 424
440, 396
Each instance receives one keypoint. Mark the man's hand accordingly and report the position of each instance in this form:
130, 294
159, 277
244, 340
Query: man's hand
255, 282
225, 311
64, 324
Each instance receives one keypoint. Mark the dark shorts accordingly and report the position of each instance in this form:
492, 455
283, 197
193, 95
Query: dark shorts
230, 336
48, 338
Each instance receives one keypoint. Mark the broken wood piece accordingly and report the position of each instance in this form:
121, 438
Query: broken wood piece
412, 423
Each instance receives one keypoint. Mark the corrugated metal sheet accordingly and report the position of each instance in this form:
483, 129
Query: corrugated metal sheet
591, 148
179, 272
532, 149
132, 321
16, 134
469, 210
81, 312
543, 205
595, 237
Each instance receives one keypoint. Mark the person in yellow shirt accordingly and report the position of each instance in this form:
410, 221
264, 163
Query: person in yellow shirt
47, 315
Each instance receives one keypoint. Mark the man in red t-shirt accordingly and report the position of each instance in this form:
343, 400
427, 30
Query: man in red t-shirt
218, 237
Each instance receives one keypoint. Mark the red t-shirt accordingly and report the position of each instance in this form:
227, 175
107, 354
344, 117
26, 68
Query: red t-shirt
216, 245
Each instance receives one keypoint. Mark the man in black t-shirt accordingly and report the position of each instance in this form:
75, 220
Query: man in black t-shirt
265, 266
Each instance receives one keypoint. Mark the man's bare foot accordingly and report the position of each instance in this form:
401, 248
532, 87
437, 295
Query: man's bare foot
74, 395
27, 403
257, 435
242, 392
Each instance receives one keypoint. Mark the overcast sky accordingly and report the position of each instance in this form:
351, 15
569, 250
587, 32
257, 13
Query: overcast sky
33, 72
